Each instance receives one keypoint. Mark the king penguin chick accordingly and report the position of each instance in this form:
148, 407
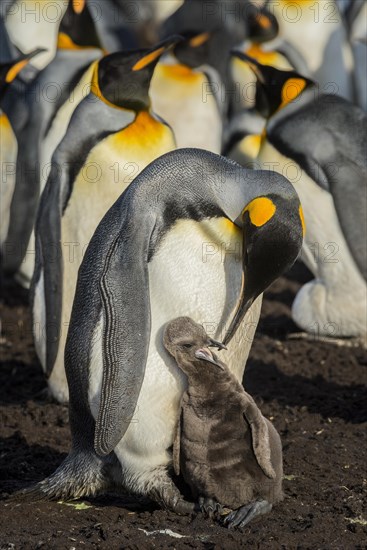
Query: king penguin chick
320, 144
50, 100
91, 167
226, 451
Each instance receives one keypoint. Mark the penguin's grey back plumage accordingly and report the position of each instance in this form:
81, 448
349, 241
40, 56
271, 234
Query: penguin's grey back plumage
328, 139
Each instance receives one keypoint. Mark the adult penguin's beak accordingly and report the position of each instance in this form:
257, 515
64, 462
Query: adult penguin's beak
214, 344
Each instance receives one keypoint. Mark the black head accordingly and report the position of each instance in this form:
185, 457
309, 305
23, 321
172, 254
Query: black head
189, 344
273, 230
77, 29
194, 50
122, 79
275, 88
9, 71
262, 25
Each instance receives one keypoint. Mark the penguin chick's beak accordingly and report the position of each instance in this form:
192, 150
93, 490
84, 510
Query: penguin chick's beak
215, 344
206, 355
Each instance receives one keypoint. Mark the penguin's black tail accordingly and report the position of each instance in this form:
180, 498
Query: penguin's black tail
82, 474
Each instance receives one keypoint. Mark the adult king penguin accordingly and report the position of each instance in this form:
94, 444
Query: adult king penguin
186, 92
111, 137
9, 145
50, 101
320, 143
195, 235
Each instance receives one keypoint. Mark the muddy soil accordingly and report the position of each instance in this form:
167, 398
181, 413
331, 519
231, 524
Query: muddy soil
314, 392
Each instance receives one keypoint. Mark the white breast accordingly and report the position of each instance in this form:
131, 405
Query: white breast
196, 272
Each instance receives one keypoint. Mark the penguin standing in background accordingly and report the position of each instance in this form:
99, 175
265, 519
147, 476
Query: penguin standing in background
193, 235
131, 25
112, 136
50, 101
9, 145
34, 24
187, 93
320, 143
315, 30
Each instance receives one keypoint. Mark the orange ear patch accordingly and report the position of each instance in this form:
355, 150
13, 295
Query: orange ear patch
292, 89
260, 210
264, 21
147, 59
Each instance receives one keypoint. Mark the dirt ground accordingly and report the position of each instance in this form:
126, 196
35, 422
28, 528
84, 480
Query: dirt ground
314, 392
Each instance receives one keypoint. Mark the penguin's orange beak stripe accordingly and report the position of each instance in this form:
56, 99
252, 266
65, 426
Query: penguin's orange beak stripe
147, 59
78, 5
15, 70
198, 40
260, 210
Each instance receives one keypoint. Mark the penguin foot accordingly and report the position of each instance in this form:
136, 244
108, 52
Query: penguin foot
242, 516
211, 508
169, 497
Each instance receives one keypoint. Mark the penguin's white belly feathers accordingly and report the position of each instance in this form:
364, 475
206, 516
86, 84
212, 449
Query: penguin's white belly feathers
8, 157
110, 167
335, 303
183, 98
195, 272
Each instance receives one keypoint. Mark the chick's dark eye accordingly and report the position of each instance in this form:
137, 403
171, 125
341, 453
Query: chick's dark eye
187, 346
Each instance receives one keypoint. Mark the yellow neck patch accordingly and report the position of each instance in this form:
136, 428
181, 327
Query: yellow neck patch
144, 131
147, 59
291, 90
4, 121
250, 145
302, 220
15, 70
64, 42
178, 72
260, 210
265, 58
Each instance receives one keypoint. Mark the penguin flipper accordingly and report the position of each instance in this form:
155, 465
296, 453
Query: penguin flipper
124, 292
49, 258
348, 187
259, 435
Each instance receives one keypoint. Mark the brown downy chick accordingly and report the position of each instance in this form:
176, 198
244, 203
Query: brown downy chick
226, 451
